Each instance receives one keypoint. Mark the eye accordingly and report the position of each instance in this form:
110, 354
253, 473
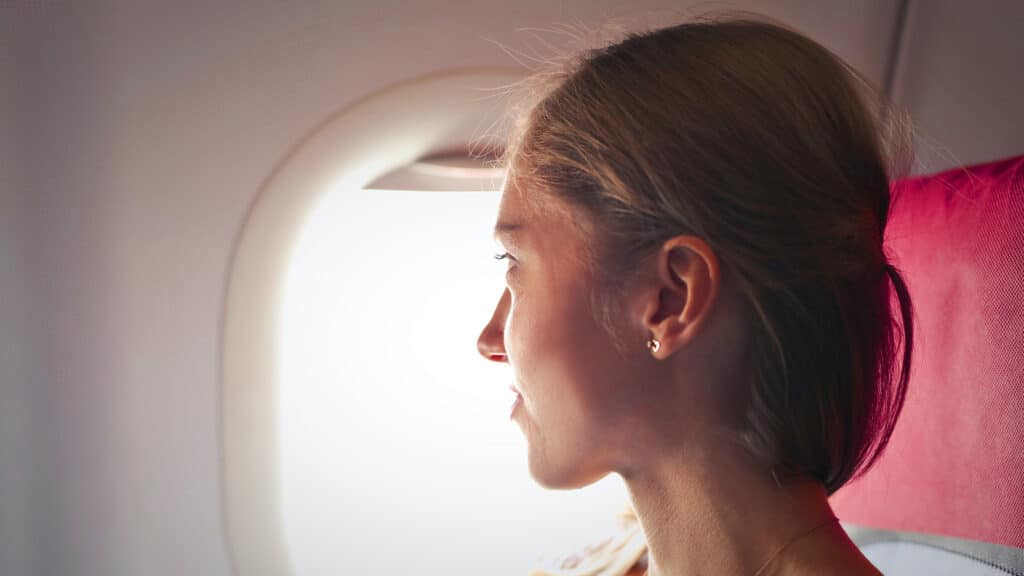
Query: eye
503, 256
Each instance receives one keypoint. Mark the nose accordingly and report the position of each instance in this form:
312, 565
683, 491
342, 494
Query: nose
491, 342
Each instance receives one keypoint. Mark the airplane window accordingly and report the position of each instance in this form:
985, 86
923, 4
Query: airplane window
397, 452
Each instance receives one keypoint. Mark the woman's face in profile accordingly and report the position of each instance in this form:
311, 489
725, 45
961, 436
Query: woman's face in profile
575, 390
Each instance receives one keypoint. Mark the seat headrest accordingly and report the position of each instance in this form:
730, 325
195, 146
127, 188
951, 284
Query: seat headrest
955, 463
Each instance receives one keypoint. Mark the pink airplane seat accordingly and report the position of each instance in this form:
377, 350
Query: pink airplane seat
947, 496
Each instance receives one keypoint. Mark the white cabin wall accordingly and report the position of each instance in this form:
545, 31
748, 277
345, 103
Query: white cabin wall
144, 131
962, 78
15, 447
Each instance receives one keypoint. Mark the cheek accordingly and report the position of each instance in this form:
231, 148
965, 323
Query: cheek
604, 381
567, 364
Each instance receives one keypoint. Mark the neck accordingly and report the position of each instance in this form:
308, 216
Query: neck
715, 511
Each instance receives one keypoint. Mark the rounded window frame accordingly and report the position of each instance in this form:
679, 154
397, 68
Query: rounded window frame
353, 147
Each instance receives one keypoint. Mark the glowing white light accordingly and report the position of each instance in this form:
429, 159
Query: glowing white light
397, 453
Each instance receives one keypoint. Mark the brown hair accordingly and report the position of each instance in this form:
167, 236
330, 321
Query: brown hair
779, 155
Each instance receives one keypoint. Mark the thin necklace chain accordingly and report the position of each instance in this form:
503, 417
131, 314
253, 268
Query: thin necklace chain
786, 545
783, 547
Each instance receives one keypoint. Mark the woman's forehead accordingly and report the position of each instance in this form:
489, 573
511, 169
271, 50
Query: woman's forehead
524, 202
513, 222
513, 212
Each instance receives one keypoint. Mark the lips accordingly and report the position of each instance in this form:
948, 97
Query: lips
516, 401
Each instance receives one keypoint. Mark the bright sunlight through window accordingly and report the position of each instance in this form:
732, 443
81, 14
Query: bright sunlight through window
397, 452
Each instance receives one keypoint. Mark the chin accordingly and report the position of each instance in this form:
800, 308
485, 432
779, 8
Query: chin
563, 475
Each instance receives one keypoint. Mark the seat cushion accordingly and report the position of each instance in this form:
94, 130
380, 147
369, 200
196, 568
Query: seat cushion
907, 553
955, 462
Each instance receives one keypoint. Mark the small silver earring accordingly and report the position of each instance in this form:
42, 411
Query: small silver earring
653, 344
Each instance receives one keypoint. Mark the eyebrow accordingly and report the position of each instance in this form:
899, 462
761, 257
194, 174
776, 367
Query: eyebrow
508, 228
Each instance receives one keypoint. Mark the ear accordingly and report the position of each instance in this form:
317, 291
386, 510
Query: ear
687, 283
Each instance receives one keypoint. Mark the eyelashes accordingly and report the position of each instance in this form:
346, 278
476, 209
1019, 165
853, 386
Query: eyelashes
503, 256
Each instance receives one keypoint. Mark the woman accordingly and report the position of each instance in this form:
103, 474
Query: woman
697, 294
